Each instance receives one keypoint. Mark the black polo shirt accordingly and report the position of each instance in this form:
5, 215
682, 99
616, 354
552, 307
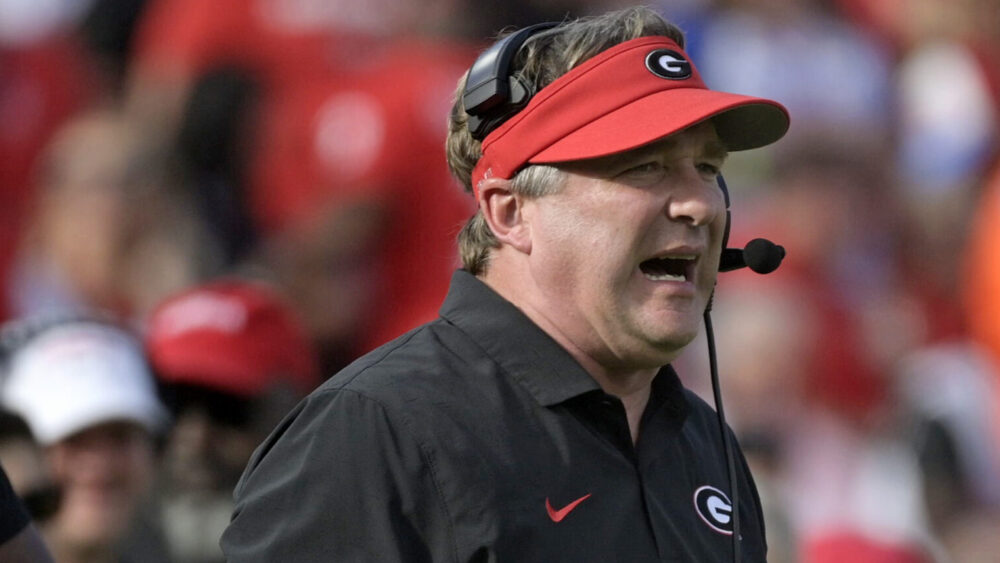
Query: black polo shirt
478, 438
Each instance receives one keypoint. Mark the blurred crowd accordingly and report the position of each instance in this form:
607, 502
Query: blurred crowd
208, 207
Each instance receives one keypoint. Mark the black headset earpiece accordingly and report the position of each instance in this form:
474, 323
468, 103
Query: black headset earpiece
492, 94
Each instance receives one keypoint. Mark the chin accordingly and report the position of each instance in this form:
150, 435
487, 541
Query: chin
670, 345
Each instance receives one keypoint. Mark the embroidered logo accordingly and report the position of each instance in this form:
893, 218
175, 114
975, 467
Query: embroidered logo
669, 64
715, 509
558, 515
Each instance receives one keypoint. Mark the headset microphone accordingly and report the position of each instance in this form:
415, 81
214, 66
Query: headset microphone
760, 255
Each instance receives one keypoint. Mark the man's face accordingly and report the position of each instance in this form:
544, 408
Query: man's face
626, 253
205, 454
105, 472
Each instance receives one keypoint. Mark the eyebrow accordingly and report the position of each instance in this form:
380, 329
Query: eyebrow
716, 149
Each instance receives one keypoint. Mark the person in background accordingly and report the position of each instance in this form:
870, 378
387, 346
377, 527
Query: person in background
296, 140
86, 391
232, 358
108, 230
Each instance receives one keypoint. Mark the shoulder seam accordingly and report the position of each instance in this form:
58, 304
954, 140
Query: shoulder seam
374, 361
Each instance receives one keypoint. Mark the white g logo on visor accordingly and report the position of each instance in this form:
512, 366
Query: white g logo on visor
669, 64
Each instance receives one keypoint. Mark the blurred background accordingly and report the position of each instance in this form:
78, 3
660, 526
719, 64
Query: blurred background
159, 151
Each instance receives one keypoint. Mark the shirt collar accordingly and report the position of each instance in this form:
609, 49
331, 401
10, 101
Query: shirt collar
526, 352
668, 392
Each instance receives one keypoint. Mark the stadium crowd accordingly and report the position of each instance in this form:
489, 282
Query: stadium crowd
209, 207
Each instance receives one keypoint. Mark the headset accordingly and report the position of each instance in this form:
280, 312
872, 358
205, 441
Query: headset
493, 94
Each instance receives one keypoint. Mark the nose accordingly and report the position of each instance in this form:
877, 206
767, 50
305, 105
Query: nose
695, 199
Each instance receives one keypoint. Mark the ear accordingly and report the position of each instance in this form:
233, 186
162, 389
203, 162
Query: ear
503, 211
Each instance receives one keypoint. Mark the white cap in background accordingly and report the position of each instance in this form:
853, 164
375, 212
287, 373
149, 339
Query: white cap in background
81, 374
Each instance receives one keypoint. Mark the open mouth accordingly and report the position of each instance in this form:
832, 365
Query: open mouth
669, 268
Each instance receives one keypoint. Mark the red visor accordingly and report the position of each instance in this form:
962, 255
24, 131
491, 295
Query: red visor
627, 96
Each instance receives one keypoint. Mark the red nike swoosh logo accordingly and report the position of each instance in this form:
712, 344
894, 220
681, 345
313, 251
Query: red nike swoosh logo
558, 515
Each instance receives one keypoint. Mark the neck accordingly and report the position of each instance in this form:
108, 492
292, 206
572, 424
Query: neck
631, 386
633, 390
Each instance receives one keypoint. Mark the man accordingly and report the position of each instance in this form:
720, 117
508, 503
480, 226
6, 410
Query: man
88, 396
538, 418
232, 358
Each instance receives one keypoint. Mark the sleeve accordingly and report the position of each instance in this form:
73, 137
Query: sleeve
13, 516
338, 480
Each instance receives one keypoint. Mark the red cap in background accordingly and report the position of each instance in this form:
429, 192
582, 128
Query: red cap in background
234, 336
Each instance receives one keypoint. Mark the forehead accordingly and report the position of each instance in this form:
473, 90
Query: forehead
115, 430
699, 140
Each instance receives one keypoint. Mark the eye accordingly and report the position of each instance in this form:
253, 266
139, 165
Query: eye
643, 170
709, 169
